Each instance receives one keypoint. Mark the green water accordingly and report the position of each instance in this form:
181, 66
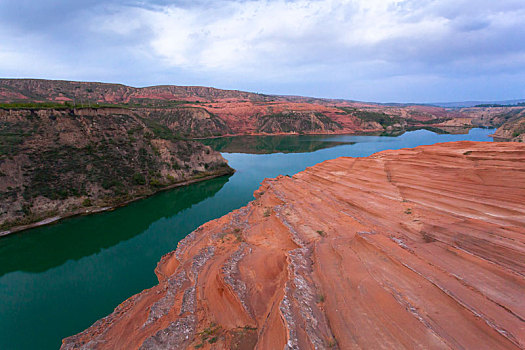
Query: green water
56, 281
272, 144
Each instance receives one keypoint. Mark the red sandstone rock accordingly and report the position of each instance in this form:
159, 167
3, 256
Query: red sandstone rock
240, 112
416, 248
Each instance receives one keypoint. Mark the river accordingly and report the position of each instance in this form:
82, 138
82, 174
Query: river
57, 280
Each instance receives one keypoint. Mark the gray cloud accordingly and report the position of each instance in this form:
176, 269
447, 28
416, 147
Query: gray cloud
410, 50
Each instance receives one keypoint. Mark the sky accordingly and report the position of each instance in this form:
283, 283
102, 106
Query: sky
367, 50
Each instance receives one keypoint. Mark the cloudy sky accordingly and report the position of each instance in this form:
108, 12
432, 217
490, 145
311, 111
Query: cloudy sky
373, 50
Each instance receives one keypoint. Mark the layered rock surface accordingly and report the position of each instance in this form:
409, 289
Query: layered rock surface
415, 248
193, 111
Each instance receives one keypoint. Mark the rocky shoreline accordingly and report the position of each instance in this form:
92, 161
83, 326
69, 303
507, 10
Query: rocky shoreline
350, 253
96, 210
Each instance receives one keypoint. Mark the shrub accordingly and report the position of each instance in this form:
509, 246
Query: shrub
320, 298
139, 179
156, 183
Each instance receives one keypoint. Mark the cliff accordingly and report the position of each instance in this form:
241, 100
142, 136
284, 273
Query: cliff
415, 248
56, 163
197, 112
512, 126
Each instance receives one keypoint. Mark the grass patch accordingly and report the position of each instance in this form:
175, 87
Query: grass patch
209, 335
320, 298
238, 235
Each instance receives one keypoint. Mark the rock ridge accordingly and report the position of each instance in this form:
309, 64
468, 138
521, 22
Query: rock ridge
413, 248
200, 112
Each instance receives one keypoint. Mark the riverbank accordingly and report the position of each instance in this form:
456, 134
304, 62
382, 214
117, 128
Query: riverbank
94, 210
58, 279
420, 232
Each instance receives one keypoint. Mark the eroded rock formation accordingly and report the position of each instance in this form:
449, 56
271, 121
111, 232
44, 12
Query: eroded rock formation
415, 248
513, 127
195, 111
55, 163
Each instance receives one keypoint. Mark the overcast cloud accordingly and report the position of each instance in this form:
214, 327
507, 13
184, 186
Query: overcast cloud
375, 50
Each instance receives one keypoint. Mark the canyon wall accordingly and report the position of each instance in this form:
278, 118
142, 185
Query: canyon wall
197, 112
55, 163
512, 127
414, 248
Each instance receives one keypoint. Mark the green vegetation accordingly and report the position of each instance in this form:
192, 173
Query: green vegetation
238, 235
429, 128
89, 157
389, 120
86, 103
500, 105
425, 122
368, 116
155, 182
267, 212
271, 144
139, 179
321, 233
64, 171
33, 105
210, 334
26, 220
296, 122
320, 298
160, 131
13, 135
520, 129
331, 343
58, 106
10, 142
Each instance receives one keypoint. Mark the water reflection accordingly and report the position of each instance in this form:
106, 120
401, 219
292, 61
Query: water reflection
50, 246
272, 144
56, 281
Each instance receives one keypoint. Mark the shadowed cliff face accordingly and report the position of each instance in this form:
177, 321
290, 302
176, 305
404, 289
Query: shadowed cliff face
416, 248
57, 162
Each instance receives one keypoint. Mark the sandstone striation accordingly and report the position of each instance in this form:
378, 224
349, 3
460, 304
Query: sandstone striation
415, 248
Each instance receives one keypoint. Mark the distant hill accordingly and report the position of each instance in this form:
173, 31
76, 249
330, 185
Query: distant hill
467, 104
